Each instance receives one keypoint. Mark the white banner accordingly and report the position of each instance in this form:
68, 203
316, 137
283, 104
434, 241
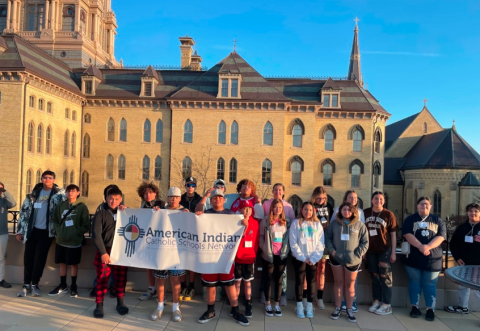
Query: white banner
171, 239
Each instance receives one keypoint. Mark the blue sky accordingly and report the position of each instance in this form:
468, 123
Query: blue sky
410, 50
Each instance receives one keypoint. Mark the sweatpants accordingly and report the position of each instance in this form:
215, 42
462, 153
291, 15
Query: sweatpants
35, 255
103, 275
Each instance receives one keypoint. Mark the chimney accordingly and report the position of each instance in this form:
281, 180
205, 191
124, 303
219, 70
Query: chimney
186, 51
196, 63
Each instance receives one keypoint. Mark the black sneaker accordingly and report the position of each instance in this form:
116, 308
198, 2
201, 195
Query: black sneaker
336, 313
278, 311
248, 309
457, 309
58, 290
269, 311
207, 316
4, 284
430, 315
232, 312
350, 316
73, 292
415, 312
240, 319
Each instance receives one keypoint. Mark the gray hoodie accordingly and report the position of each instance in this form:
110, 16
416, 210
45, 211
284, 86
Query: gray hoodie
266, 239
347, 252
6, 202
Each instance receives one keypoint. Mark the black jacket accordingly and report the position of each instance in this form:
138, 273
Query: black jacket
103, 226
468, 252
190, 203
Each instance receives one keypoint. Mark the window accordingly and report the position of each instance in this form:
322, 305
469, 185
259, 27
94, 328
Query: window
148, 89
186, 167
123, 130
30, 137
326, 100
40, 104
234, 90
296, 173
357, 141
39, 138
121, 167
225, 88
146, 131
296, 203
38, 177
437, 203
66, 140
297, 136
88, 87
234, 133
327, 175
87, 118
159, 132
267, 172
334, 100
158, 168
72, 177
109, 166
73, 143
329, 140
111, 130
28, 181
85, 183
376, 174
222, 133
232, 175
74, 115
49, 107
65, 179
86, 146
188, 132
31, 101
48, 141
378, 139
355, 175
67, 113
424, 127
268, 134
221, 168
68, 19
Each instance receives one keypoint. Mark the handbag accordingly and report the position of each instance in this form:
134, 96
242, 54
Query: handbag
405, 248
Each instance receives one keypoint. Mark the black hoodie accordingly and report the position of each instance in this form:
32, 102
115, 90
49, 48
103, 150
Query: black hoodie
468, 252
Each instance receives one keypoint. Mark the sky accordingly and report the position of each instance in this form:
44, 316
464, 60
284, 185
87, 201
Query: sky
410, 50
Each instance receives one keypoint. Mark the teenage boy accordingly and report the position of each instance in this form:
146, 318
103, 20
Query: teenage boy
211, 281
219, 184
35, 230
6, 202
103, 233
189, 200
70, 221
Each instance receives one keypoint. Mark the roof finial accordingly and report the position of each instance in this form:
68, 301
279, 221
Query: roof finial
235, 41
425, 103
356, 22
453, 126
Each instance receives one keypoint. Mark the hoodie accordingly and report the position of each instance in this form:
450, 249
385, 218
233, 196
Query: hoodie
307, 240
469, 252
70, 232
267, 237
247, 250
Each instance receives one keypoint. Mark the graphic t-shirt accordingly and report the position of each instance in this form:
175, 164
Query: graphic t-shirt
278, 232
380, 226
40, 208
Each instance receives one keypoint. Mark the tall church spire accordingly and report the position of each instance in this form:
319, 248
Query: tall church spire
354, 70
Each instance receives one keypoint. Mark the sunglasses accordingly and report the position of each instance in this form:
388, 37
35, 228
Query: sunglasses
219, 186
191, 185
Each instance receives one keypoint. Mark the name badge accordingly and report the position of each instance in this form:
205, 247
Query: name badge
303, 240
37, 205
278, 234
248, 244
345, 237
323, 220
69, 223
423, 225
114, 217
469, 239
373, 232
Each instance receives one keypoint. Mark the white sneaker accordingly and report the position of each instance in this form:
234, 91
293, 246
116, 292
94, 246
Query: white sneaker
320, 304
148, 295
384, 310
300, 310
309, 310
375, 305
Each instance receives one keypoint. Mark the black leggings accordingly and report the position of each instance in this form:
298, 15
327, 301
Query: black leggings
273, 270
301, 270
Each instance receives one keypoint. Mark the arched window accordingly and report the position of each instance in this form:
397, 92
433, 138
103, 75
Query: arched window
40, 104
66, 141
158, 168
111, 130
65, 179
425, 127
188, 132
31, 101
327, 174
296, 173
67, 113
331, 201
85, 184
355, 171
147, 129
222, 133
297, 136
38, 177
221, 168
109, 166
296, 203
146, 168
122, 163
268, 134
74, 115
378, 140
159, 132
30, 137
87, 119
357, 141
329, 140
74, 143
28, 181
232, 175
234, 133
49, 107
267, 172
377, 171
39, 138
72, 177
86, 145
48, 141
123, 130
186, 167
437, 203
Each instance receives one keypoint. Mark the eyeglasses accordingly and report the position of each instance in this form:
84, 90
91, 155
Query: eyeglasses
191, 185
48, 178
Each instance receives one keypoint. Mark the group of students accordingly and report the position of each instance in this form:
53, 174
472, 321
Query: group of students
343, 237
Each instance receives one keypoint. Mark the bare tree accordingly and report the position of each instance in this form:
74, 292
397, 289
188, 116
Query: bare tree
263, 190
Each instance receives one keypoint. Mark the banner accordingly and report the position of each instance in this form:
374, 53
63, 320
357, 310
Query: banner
171, 239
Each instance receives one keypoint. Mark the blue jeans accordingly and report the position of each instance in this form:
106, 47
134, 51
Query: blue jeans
426, 280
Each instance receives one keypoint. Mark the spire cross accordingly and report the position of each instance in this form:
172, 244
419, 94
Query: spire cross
356, 21
453, 122
235, 41
425, 102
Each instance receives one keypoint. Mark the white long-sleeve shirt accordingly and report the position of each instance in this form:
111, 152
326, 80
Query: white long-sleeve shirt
307, 241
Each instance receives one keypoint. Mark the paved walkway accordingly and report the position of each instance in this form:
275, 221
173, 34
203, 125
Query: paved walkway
64, 313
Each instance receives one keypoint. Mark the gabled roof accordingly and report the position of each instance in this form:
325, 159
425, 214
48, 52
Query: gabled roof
150, 72
469, 180
253, 86
330, 84
442, 150
394, 131
93, 71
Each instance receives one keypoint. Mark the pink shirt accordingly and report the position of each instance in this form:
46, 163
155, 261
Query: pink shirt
289, 213
277, 241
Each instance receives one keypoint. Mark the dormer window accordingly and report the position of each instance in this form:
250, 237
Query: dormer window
330, 100
229, 85
150, 80
88, 85
234, 88
148, 89
224, 88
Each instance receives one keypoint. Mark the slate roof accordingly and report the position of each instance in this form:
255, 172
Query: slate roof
21, 55
391, 174
469, 180
93, 71
394, 131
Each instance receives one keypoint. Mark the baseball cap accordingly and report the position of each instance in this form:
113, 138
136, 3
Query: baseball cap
245, 203
190, 180
219, 182
217, 192
174, 192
